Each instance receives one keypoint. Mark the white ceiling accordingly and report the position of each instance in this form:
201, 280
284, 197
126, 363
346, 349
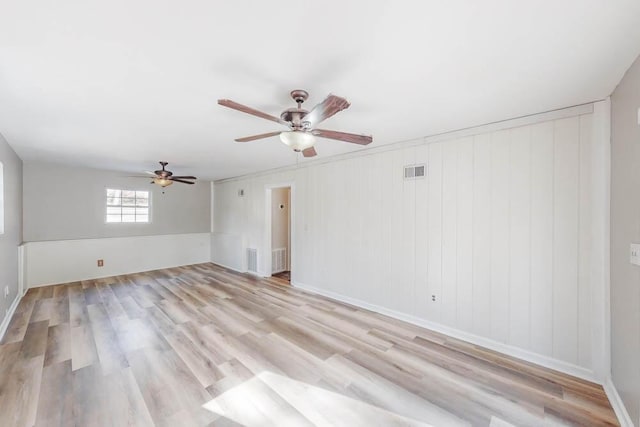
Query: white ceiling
122, 84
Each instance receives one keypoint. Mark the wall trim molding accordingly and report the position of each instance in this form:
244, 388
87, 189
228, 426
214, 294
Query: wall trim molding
7, 319
509, 350
599, 270
617, 404
529, 119
54, 241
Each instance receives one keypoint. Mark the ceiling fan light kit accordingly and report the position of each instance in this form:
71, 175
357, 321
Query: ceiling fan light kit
162, 182
302, 132
298, 140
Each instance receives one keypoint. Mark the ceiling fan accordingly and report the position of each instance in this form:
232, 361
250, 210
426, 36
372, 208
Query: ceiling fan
302, 123
165, 178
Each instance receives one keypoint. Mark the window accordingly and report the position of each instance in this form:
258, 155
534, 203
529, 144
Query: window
127, 206
1, 198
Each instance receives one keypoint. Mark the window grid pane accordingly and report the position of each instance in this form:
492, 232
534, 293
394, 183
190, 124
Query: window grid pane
127, 206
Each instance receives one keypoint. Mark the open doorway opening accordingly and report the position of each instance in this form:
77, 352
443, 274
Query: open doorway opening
281, 233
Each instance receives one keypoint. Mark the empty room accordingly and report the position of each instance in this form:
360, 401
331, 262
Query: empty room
252, 213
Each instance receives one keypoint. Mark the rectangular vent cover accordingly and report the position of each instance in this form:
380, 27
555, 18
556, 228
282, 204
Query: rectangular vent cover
414, 171
278, 260
252, 260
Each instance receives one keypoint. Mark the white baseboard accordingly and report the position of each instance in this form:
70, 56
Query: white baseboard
9, 316
253, 273
228, 267
509, 350
617, 404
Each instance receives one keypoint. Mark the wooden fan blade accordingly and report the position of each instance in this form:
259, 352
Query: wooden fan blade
327, 108
183, 177
343, 136
254, 137
243, 108
309, 152
181, 180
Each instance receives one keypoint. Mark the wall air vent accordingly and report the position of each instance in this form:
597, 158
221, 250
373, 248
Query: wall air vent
278, 260
415, 171
252, 260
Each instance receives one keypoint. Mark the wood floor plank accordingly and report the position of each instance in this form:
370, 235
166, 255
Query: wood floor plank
90, 397
9, 356
60, 309
55, 403
19, 395
160, 395
58, 344
42, 310
128, 407
83, 347
204, 338
110, 354
20, 320
201, 366
35, 339
110, 301
201, 345
77, 306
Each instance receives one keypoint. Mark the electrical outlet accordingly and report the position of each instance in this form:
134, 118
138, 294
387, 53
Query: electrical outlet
100, 263
433, 298
634, 254
6, 291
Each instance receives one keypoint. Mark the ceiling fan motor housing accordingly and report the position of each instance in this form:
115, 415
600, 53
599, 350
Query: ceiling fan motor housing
163, 172
294, 116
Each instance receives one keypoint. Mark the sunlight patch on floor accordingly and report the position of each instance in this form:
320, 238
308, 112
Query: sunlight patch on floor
269, 397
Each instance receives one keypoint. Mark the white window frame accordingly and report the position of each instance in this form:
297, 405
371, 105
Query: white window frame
106, 206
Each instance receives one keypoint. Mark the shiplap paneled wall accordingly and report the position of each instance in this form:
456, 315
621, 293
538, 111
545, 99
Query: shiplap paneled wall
494, 242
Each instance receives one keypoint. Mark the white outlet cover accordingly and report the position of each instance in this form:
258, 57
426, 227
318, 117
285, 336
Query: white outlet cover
639, 116
634, 254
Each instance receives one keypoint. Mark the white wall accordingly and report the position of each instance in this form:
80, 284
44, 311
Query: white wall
64, 261
499, 233
12, 236
625, 229
63, 203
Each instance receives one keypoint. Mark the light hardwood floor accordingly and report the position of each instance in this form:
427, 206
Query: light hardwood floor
200, 345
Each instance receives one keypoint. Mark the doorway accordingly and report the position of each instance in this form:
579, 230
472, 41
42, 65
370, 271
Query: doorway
280, 244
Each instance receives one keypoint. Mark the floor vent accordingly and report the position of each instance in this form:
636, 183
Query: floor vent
278, 260
414, 171
252, 260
